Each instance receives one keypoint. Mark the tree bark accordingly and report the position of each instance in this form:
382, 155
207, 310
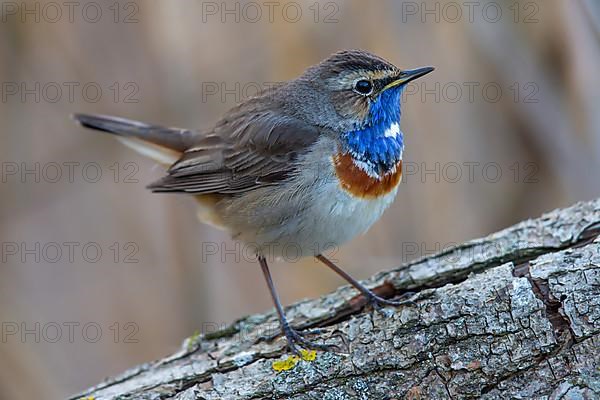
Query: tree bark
512, 315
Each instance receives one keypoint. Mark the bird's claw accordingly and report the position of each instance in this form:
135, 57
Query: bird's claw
296, 340
310, 331
378, 302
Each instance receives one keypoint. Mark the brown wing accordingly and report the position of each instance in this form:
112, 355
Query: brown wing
248, 149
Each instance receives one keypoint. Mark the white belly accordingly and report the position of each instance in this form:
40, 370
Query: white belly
327, 222
302, 220
338, 217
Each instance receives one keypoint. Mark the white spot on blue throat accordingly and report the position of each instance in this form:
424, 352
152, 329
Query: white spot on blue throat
377, 147
393, 130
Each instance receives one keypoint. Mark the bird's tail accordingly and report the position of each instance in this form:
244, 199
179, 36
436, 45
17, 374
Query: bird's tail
161, 144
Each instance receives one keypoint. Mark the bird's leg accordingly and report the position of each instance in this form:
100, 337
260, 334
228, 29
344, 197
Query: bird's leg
373, 299
294, 338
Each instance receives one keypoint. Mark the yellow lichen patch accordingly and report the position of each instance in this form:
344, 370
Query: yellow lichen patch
285, 365
291, 361
308, 355
193, 340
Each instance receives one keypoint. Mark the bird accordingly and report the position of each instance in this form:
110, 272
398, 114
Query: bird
307, 164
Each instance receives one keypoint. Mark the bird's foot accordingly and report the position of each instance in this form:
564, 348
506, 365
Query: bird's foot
378, 302
297, 340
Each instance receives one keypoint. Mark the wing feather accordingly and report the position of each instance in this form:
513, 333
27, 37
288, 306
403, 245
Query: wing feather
247, 149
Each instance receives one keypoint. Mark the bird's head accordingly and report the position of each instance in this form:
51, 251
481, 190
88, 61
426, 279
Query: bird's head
359, 95
362, 87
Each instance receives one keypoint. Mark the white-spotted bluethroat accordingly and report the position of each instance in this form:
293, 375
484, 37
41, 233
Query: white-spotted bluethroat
312, 162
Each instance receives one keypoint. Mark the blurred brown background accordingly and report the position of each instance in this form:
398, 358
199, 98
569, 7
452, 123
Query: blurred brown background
515, 93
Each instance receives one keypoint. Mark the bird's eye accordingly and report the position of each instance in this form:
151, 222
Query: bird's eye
363, 87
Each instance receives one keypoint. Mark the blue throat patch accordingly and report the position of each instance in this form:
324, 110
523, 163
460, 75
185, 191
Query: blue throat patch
371, 145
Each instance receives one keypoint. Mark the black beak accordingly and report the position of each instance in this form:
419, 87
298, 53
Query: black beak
409, 75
